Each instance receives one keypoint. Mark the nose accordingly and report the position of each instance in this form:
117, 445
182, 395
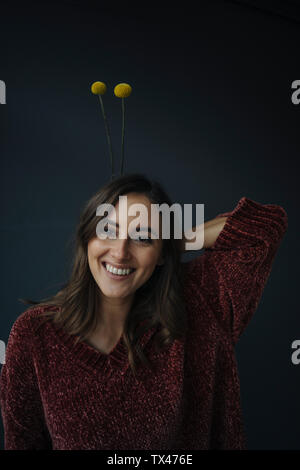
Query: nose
120, 249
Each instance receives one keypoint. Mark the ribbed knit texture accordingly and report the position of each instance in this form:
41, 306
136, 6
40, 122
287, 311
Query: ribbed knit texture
56, 394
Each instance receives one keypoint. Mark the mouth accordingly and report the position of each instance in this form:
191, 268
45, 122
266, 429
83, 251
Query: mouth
120, 274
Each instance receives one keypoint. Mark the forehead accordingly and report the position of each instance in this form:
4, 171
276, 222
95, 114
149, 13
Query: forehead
137, 206
134, 198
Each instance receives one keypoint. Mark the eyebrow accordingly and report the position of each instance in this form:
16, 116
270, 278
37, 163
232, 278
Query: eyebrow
147, 229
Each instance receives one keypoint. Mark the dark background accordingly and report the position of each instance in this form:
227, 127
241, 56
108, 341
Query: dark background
210, 117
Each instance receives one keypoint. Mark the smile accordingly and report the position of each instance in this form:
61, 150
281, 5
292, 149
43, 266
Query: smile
115, 273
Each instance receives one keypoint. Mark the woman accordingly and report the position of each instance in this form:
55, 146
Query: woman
144, 361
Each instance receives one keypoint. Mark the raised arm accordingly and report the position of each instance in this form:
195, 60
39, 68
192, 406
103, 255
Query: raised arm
234, 269
212, 229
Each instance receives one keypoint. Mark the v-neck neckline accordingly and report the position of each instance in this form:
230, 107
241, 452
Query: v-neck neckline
112, 351
94, 359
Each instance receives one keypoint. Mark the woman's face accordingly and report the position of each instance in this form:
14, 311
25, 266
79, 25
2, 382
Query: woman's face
142, 256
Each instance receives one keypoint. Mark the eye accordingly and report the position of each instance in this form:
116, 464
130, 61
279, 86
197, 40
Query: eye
107, 232
145, 240
141, 239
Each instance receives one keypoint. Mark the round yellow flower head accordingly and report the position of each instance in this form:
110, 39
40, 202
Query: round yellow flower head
98, 88
122, 90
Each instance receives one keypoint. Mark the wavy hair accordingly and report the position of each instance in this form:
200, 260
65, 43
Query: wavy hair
158, 302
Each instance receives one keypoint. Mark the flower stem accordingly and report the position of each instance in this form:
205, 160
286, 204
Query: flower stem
108, 138
123, 133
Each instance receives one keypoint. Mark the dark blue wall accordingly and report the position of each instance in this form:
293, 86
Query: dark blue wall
210, 116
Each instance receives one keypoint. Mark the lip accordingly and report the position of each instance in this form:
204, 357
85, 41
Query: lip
118, 266
115, 276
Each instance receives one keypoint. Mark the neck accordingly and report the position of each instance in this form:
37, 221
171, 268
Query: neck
113, 313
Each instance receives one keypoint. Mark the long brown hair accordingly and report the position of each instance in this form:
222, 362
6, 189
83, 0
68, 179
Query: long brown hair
159, 301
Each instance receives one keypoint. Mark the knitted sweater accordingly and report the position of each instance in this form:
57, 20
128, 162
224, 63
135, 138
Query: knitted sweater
56, 394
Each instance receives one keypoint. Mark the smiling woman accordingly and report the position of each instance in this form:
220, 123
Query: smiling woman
137, 350
100, 307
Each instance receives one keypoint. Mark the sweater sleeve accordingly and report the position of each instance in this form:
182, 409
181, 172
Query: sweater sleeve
239, 263
21, 407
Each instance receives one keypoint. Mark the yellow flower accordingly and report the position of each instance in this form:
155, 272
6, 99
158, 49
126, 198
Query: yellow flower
122, 90
98, 88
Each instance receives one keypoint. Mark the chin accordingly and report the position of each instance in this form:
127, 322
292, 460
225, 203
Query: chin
117, 292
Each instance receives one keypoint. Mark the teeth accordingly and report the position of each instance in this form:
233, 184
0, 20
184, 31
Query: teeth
120, 272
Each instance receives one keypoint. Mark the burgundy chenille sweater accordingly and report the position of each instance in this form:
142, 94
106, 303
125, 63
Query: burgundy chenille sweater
56, 394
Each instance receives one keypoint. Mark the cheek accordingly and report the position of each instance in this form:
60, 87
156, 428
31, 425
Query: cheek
95, 248
148, 268
149, 260
90, 251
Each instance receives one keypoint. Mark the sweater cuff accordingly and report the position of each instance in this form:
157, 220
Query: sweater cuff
251, 222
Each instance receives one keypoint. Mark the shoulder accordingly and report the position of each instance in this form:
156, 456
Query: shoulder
31, 318
201, 282
22, 337
195, 271
194, 280
200, 293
